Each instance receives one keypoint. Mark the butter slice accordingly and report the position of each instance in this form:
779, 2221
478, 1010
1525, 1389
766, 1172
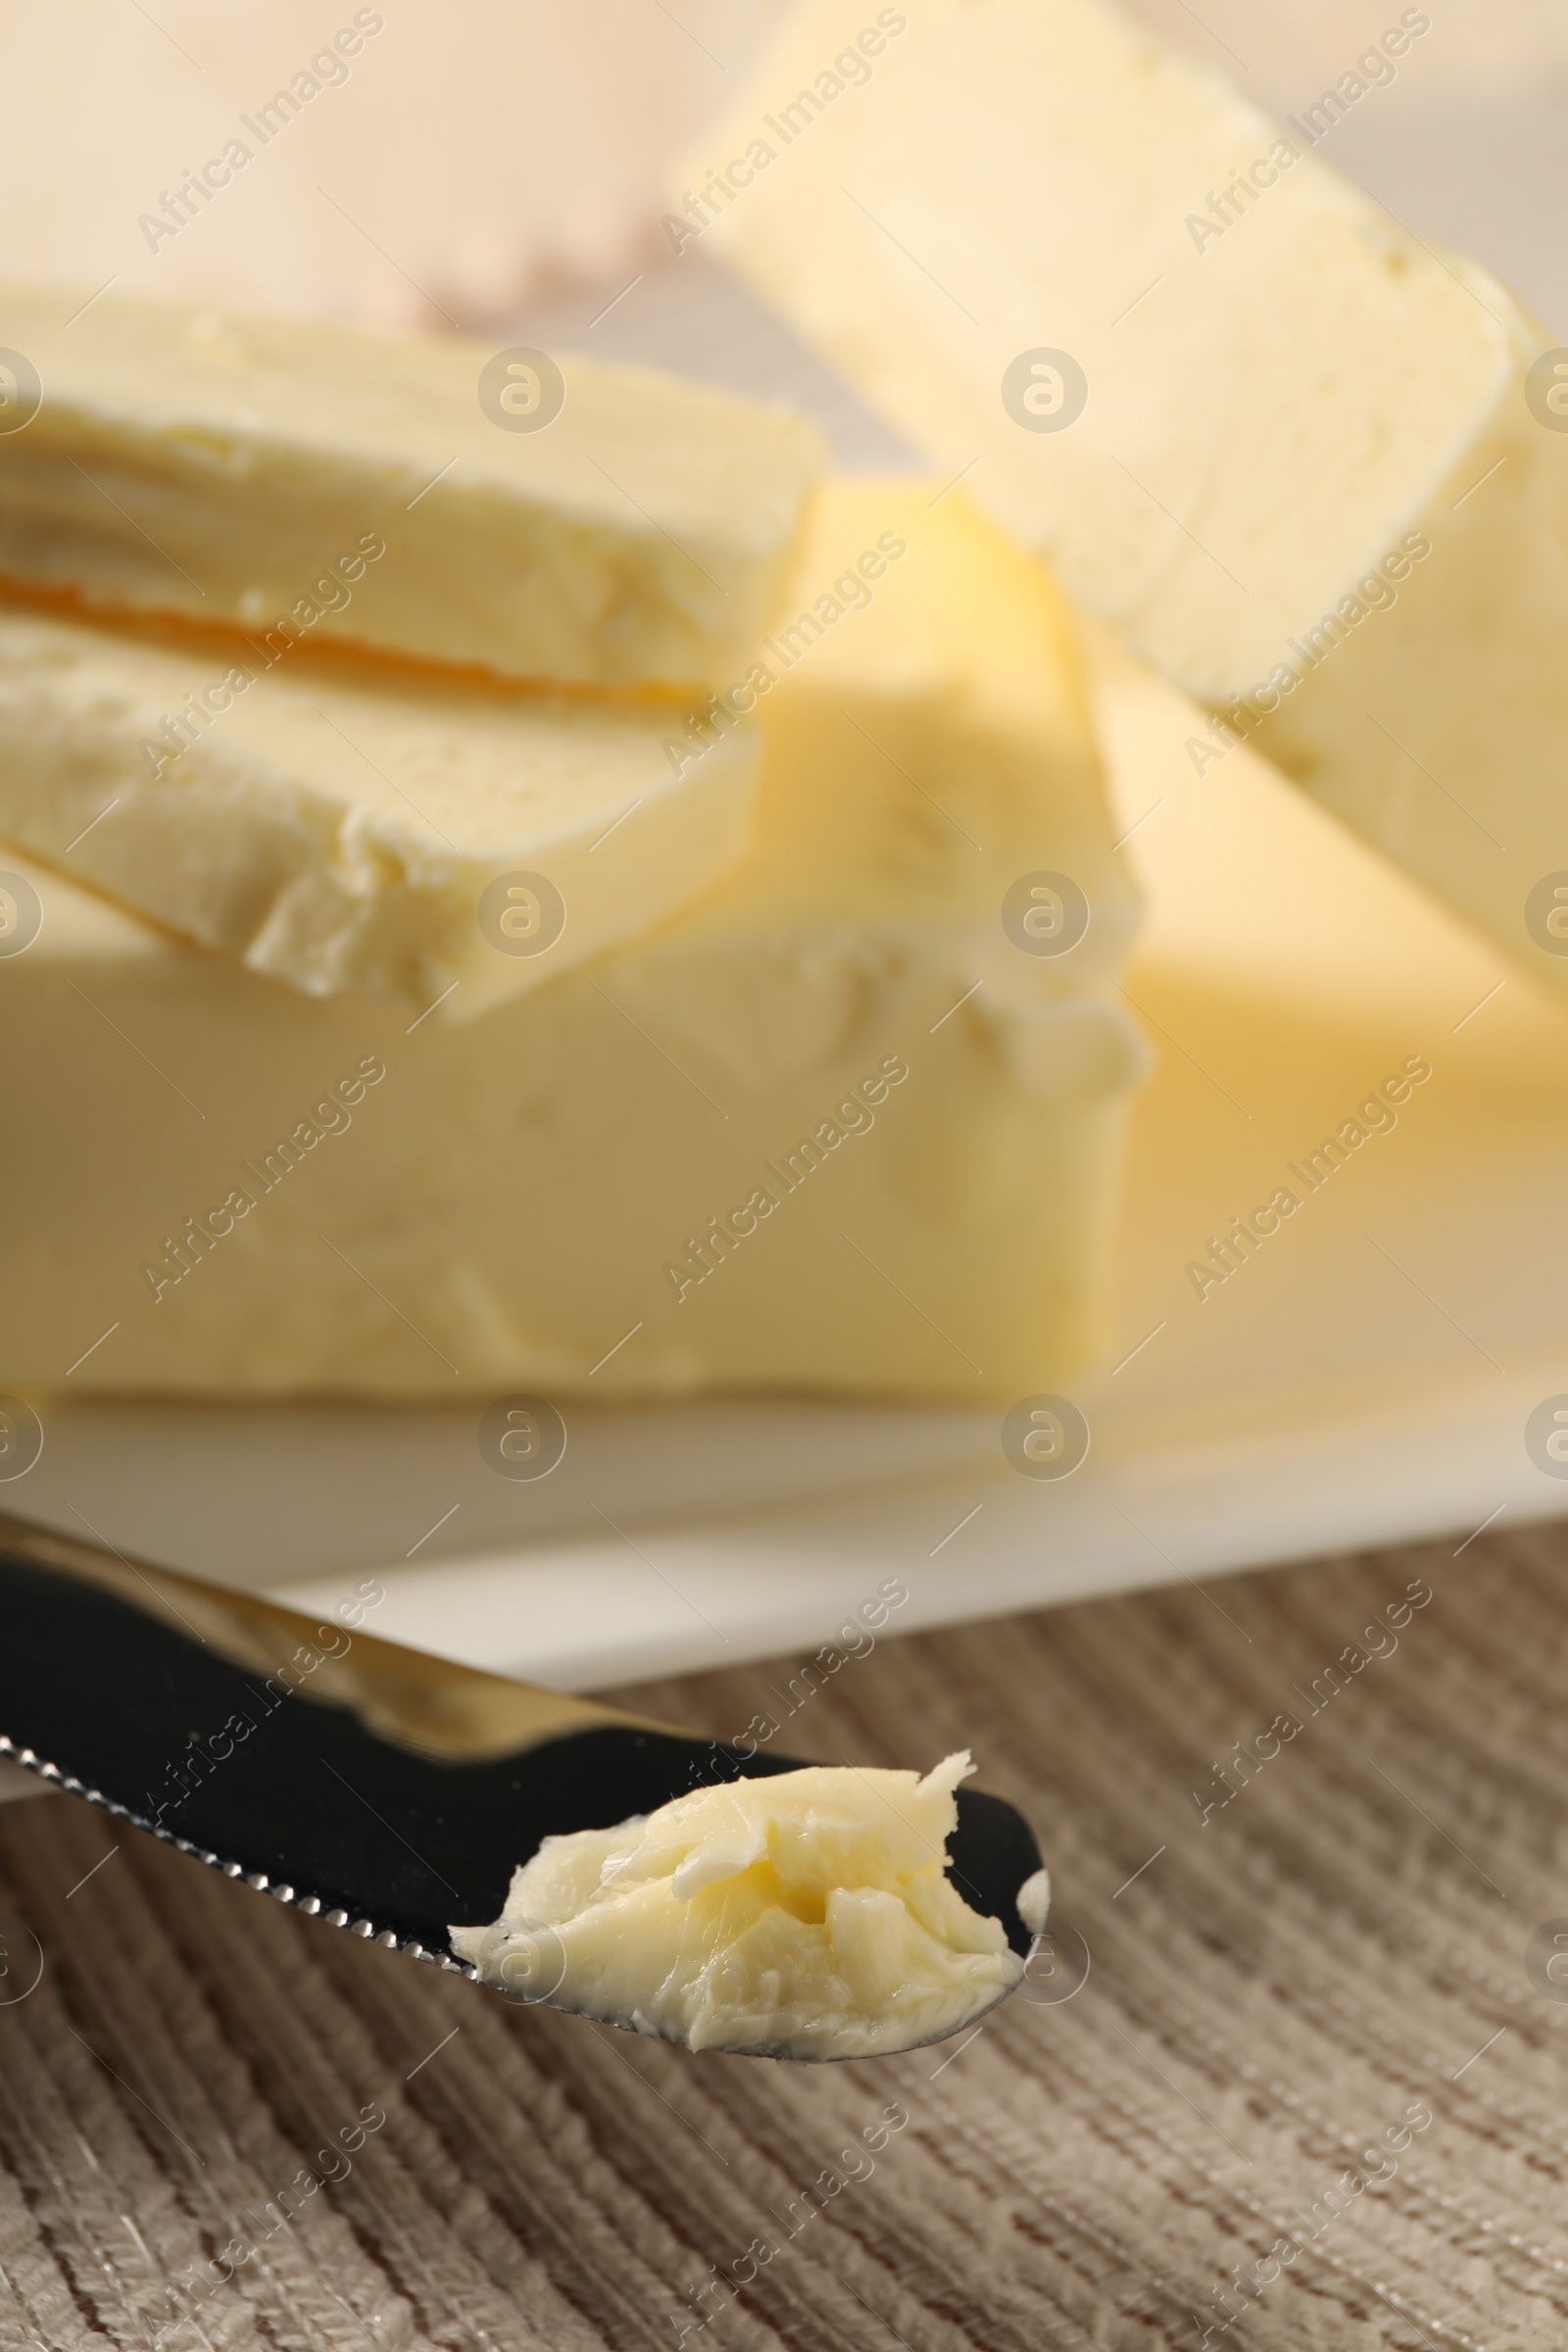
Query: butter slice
1317, 464
831, 1129
930, 744
224, 468
806, 1915
346, 828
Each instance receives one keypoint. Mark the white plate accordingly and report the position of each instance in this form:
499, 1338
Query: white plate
1366, 1377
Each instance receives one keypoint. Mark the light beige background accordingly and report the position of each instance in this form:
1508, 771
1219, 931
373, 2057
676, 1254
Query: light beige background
478, 143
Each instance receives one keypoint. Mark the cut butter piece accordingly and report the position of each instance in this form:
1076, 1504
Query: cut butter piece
539, 513
1314, 470
345, 828
930, 744
807, 1914
832, 1129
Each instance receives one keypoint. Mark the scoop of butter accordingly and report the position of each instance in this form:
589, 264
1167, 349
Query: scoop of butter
540, 514
806, 1915
1314, 470
346, 827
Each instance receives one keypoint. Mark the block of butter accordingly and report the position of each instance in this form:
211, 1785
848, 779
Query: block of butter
837, 1127
1314, 470
540, 514
343, 825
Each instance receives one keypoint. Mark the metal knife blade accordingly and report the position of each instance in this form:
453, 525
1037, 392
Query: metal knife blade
381, 1790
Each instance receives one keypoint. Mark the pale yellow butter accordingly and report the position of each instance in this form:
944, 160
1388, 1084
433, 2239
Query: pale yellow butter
805, 1915
348, 828
831, 1129
540, 513
1314, 470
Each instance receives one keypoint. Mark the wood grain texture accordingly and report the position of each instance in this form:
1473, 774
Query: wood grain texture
1340, 1943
